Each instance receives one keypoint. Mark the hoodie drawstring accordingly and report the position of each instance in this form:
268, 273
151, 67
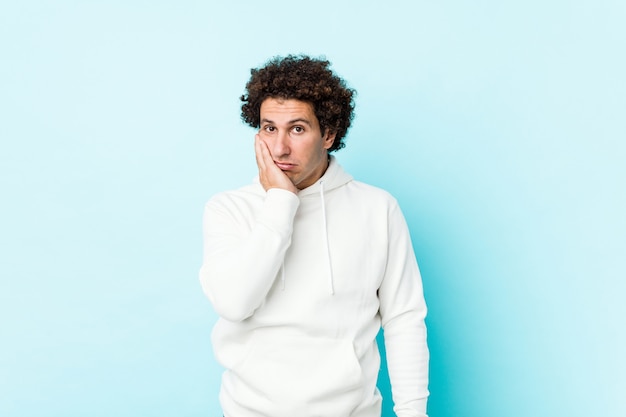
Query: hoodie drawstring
282, 276
330, 268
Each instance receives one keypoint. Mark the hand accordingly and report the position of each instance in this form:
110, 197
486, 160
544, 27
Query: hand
269, 174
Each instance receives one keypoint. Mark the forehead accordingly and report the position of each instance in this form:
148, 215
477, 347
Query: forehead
277, 109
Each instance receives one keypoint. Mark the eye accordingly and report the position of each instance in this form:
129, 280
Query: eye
269, 128
298, 129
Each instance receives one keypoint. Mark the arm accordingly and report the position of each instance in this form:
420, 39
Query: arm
403, 310
241, 260
239, 266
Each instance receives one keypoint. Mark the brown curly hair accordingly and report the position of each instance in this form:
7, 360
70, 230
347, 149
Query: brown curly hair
302, 78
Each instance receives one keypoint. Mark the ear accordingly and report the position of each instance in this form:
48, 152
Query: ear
329, 139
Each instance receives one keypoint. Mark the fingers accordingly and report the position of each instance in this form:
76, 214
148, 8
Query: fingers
264, 162
258, 152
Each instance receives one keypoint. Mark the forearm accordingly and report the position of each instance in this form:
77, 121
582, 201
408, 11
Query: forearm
407, 362
403, 310
240, 266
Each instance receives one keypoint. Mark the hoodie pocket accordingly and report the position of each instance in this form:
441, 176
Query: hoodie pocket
300, 375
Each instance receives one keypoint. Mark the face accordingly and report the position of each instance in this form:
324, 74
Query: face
294, 138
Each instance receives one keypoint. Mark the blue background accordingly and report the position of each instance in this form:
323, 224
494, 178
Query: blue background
499, 126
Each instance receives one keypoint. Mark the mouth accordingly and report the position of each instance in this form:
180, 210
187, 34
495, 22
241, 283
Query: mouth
284, 166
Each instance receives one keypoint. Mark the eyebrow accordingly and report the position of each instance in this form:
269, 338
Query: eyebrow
290, 122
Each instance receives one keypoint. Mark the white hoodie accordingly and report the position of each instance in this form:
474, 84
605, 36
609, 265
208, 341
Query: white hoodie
302, 284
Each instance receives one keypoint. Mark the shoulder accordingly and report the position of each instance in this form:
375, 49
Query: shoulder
371, 193
245, 196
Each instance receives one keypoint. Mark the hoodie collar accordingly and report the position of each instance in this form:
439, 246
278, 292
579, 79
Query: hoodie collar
334, 177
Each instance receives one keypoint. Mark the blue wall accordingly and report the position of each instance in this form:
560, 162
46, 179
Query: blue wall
499, 126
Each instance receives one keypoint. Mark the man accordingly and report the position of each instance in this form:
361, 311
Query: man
304, 266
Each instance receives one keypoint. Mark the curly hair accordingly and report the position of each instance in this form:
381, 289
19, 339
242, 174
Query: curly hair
302, 78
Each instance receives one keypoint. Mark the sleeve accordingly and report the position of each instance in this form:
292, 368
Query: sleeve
403, 310
240, 261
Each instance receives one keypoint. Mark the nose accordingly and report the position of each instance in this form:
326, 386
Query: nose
280, 145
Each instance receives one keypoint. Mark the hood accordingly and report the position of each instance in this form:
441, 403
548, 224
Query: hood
334, 177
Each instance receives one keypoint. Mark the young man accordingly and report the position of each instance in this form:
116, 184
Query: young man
304, 266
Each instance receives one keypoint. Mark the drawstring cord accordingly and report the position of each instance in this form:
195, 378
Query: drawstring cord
282, 276
330, 269
331, 284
